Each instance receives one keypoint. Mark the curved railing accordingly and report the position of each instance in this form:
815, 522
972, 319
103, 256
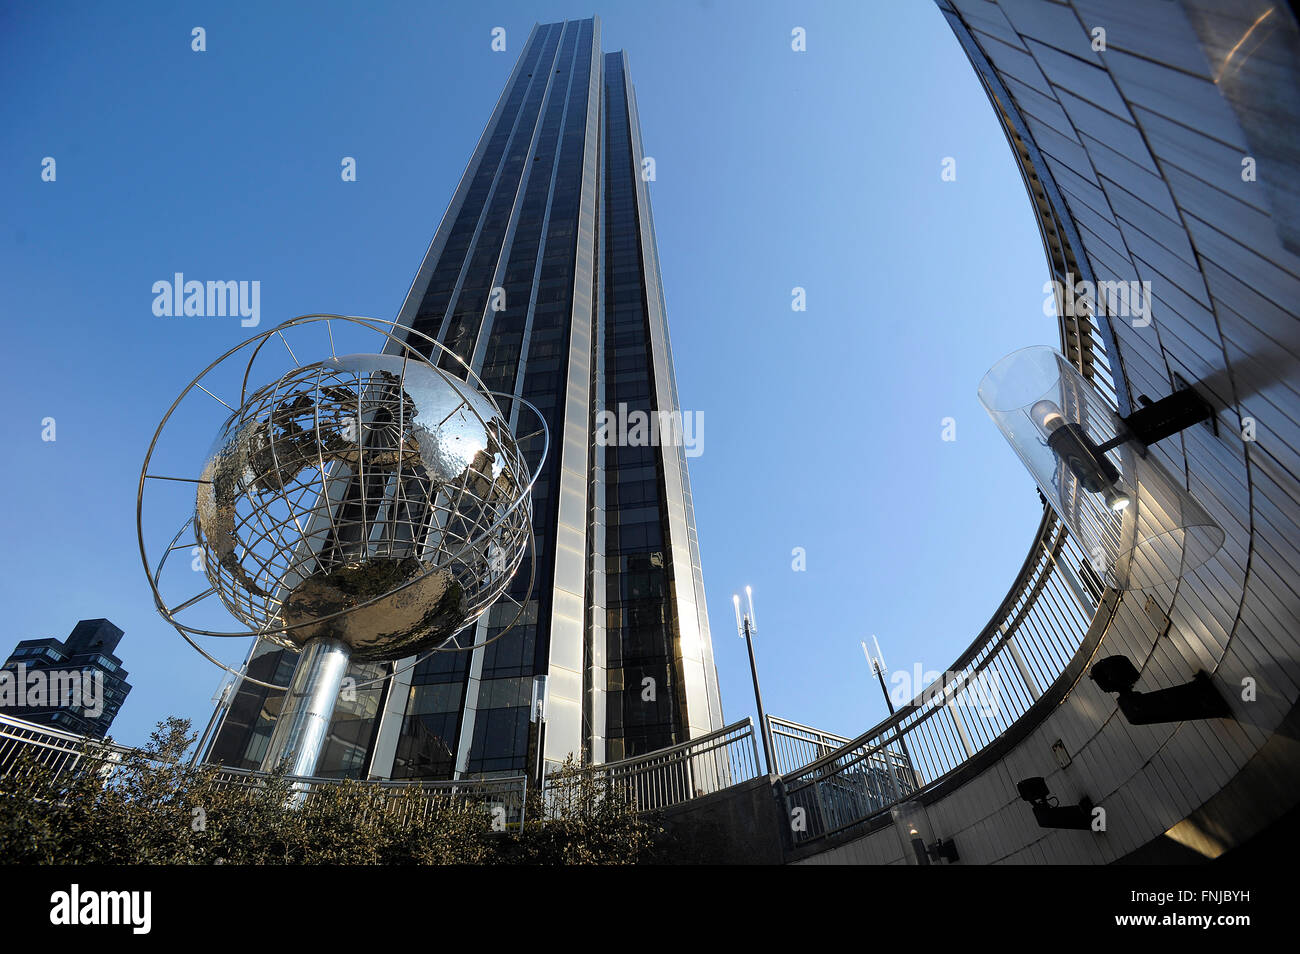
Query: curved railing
1017, 660
669, 776
795, 744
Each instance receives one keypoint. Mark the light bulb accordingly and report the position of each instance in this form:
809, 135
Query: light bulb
1117, 500
1047, 416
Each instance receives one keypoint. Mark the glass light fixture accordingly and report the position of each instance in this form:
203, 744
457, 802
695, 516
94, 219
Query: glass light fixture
1138, 524
920, 844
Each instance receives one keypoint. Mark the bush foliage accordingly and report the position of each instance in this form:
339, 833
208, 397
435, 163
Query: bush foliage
153, 808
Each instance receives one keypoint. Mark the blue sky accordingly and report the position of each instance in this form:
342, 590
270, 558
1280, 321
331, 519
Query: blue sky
775, 169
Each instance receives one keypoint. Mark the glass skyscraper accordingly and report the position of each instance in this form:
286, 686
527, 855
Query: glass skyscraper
544, 277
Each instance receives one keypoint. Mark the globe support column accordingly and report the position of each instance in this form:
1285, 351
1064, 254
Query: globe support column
299, 734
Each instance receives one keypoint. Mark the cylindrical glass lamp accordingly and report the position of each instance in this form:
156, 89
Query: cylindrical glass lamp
1139, 525
912, 823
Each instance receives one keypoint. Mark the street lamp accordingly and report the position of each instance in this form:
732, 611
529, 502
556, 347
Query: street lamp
879, 668
746, 627
1139, 526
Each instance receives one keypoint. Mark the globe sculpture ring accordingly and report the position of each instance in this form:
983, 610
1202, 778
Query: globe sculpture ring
380, 500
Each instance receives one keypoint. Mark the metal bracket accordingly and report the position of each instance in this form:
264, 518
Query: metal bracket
1157, 616
1156, 420
943, 850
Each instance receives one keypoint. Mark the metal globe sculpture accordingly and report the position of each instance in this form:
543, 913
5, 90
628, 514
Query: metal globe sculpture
350, 498
363, 507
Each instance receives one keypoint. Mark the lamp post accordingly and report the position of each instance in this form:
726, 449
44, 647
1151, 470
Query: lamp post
746, 627
878, 667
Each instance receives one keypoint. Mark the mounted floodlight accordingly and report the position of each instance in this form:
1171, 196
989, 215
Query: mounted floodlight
1198, 699
1138, 524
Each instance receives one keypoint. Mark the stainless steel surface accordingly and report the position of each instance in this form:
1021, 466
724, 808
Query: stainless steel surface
1133, 160
299, 733
352, 497
375, 498
1135, 163
365, 506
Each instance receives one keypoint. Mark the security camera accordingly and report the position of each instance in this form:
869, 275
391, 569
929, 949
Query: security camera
1114, 674
1033, 789
1198, 699
1048, 813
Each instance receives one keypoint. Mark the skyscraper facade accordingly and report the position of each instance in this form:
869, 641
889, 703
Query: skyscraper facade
544, 278
77, 685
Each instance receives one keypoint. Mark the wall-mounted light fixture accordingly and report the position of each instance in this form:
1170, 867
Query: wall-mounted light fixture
1048, 813
1198, 699
1138, 524
920, 845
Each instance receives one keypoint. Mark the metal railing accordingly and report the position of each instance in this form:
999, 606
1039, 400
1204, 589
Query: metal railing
61, 752
700, 766
794, 744
406, 801
403, 800
1029, 643
679, 773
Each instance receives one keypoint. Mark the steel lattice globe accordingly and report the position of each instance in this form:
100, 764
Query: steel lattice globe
370, 498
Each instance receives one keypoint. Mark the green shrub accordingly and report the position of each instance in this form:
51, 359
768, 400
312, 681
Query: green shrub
153, 808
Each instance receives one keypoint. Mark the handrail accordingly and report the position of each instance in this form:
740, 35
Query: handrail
62, 752
655, 780
1024, 649
506, 794
950, 676
671, 750
678, 773
790, 738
